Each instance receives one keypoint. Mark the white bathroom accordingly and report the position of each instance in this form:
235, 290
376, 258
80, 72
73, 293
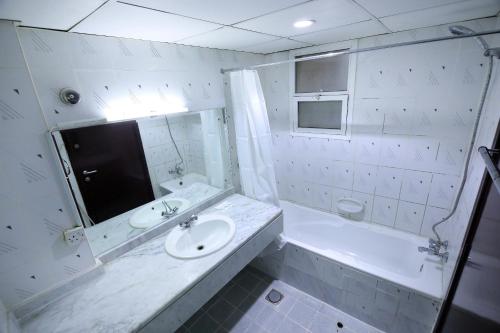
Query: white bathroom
250, 166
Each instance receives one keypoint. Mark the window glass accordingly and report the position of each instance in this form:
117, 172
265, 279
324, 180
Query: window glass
320, 114
322, 75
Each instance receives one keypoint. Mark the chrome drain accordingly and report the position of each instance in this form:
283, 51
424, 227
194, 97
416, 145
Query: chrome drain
274, 296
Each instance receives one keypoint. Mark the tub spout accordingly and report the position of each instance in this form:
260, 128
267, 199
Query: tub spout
424, 249
435, 252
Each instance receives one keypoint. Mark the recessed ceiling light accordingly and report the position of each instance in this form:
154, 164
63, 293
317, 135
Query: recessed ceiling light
303, 23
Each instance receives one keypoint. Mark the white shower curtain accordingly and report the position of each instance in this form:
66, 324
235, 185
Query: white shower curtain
212, 147
253, 137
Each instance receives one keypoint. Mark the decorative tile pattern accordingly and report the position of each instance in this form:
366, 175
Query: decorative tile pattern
111, 74
413, 111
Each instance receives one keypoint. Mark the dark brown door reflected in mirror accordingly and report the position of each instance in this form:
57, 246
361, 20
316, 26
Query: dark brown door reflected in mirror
110, 168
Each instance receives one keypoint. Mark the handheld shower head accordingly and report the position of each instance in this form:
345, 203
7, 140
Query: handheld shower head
460, 30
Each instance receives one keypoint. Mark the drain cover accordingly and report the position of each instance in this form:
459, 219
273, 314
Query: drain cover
274, 296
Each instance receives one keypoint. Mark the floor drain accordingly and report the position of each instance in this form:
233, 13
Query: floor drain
274, 296
200, 247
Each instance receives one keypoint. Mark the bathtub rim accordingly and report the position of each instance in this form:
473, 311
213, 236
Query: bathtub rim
433, 272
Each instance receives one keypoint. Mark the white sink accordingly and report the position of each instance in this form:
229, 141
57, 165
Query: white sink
206, 235
151, 214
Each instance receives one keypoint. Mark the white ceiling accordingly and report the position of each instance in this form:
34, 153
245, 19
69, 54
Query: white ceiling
260, 26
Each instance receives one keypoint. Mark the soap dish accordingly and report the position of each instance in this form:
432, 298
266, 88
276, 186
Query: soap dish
350, 208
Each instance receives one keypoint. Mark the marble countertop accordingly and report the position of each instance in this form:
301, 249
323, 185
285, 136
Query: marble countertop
137, 286
117, 230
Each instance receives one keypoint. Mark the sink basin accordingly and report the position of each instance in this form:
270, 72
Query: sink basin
150, 214
207, 235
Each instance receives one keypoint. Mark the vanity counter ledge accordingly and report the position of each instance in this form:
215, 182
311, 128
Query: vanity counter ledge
140, 284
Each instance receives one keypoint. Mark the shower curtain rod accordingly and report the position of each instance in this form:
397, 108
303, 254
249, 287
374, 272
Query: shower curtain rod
491, 51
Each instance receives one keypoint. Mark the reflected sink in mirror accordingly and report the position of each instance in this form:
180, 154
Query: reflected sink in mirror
206, 235
116, 169
157, 211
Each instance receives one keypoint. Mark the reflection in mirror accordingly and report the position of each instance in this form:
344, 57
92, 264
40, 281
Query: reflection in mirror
128, 176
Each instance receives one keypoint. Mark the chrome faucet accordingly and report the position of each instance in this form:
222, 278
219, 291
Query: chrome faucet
178, 170
187, 224
169, 211
434, 249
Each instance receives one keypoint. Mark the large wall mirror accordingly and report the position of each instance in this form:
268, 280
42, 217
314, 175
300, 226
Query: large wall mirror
128, 176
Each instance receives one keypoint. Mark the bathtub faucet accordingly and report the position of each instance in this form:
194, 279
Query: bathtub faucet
437, 244
434, 248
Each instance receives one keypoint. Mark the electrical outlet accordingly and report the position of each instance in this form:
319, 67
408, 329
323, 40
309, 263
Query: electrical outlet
74, 236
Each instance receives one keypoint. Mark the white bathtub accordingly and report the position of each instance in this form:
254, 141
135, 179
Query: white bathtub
384, 252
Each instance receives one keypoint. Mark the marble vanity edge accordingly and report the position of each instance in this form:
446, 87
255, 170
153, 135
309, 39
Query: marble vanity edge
272, 215
132, 243
37, 302
185, 305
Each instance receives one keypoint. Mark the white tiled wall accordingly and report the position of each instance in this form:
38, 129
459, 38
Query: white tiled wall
414, 109
112, 75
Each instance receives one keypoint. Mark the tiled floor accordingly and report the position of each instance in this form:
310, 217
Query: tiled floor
241, 307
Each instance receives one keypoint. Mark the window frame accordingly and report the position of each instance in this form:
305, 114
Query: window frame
326, 131
347, 95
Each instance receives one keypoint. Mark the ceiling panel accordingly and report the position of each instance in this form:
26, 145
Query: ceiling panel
461, 11
120, 20
50, 14
279, 45
326, 13
381, 8
219, 11
351, 31
227, 38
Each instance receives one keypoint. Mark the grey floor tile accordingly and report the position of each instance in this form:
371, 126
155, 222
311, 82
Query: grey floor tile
288, 326
302, 314
261, 288
270, 319
247, 303
255, 309
190, 322
314, 303
233, 319
241, 325
249, 282
241, 307
236, 295
182, 329
286, 304
322, 324
221, 310
255, 328
204, 324
329, 311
